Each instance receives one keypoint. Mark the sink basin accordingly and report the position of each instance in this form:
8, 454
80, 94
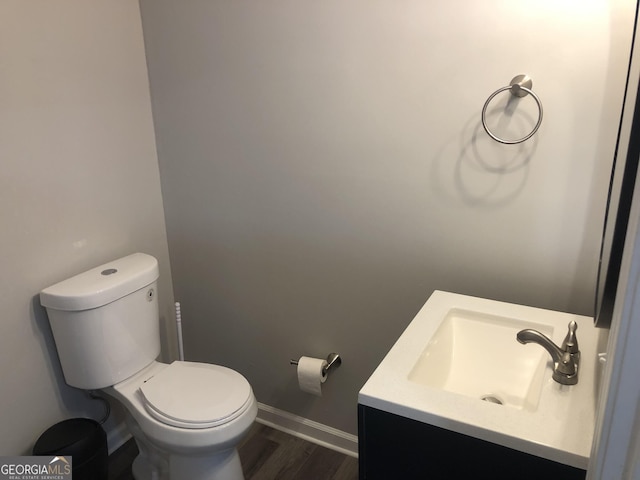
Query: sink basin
477, 355
459, 349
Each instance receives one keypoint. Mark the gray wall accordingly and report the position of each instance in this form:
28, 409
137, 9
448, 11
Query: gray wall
324, 170
79, 185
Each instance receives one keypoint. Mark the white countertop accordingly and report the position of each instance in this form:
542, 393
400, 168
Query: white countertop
559, 429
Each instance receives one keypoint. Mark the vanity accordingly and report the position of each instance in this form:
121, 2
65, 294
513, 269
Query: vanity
458, 396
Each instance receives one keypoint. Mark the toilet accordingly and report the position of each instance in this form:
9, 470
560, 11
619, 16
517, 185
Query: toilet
187, 418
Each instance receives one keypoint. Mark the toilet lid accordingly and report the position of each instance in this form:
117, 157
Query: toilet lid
196, 395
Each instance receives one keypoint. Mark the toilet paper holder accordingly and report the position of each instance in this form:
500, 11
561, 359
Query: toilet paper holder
333, 361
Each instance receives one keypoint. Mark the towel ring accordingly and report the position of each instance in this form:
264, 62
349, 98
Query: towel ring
520, 86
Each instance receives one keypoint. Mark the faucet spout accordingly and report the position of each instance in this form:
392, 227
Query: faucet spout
534, 336
565, 359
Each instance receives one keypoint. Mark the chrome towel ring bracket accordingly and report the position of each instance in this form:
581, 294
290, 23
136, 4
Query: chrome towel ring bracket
520, 86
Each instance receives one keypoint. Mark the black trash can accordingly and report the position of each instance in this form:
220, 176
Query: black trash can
84, 440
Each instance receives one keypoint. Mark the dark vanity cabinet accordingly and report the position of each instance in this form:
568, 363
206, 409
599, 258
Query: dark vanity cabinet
393, 447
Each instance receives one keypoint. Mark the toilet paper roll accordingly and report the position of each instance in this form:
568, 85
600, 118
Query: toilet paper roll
310, 375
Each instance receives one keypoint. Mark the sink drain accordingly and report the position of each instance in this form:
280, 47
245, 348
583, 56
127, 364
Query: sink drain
491, 399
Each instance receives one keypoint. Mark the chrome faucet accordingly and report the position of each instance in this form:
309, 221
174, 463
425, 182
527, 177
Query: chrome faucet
565, 359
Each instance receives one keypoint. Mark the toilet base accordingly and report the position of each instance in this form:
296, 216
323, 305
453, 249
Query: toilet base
153, 463
222, 466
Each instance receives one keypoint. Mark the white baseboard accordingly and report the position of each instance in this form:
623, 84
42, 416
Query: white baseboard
308, 430
117, 436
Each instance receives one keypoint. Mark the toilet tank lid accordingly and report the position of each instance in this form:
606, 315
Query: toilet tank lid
102, 285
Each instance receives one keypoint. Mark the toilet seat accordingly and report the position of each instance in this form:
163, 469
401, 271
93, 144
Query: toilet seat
196, 395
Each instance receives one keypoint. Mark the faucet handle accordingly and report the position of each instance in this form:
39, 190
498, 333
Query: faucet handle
565, 371
566, 365
570, 343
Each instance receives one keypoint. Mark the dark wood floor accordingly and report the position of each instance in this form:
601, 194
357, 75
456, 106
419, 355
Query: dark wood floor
266, 454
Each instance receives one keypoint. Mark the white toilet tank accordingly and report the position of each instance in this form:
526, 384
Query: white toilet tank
105, 321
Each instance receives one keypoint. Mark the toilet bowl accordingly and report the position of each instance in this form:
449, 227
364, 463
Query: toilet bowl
191, 413
187, 418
